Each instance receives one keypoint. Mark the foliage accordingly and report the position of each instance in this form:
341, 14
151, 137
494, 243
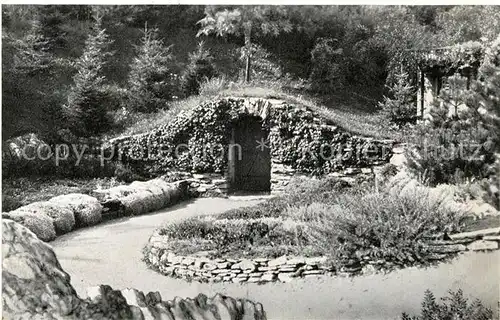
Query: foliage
400, 106
264, 67
349, 227
457, 58
17, 192
28, 70
149, 83
199, 69
247, 20
449, 154
326, 74
213, 87
301, 141
463, 145
453, 306
463, 23
88, 100
391, 227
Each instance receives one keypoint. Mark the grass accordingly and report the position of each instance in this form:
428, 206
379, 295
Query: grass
23, 191
350, 111
322, 217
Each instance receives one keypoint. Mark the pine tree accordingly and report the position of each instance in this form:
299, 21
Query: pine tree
199, 69
488, 91
149, 82
400, 107
32, 52
86, 109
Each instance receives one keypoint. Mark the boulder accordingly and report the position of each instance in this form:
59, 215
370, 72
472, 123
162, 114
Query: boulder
33, 281
87, 210
36, 287
62, 215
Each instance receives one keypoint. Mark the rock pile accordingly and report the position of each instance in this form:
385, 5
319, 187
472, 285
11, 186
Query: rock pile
36, 287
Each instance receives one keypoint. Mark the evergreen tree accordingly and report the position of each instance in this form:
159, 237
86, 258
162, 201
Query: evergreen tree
86, 109
400, 108
150, 82
199, 69
32, 54
488, 91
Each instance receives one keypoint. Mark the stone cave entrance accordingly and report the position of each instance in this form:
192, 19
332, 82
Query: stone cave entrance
249, 164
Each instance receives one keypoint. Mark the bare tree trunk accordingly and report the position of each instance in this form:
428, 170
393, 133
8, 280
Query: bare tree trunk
248, 48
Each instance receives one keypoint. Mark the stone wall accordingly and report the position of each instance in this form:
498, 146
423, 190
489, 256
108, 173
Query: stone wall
36, 287
286, 269
298, 137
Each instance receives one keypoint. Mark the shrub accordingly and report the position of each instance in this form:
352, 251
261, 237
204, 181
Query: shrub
213, 87
326, 58
199, 69
62, 215
392, 225
400, 106
388, 226
235, 236
39, 223
454, 306
87, 210
450, 153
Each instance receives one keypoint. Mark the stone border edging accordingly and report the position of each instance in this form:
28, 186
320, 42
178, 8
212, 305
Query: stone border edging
285, 269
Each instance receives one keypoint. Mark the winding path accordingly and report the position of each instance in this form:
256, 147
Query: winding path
110, 253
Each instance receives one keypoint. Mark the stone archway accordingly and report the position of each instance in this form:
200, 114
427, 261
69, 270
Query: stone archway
250, 157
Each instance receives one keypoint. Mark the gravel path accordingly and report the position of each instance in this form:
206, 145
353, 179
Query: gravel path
110, 253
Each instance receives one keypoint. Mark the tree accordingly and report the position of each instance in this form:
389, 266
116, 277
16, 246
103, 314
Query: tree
200, 68
149, 80
400, 107
88, 100
31, 102
247, 20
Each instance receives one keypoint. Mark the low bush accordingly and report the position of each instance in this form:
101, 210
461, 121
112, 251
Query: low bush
39, 223
392, 227
323, 217
453, 306
449, 154
18, 192
86, 209
62, 215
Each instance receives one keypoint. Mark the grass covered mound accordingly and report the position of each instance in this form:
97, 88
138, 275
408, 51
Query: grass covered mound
349, 225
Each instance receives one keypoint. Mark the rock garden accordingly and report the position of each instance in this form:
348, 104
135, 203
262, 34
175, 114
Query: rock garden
323, 227
372, 146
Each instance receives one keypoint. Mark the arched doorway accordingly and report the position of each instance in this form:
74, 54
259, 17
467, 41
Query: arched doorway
250, 157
